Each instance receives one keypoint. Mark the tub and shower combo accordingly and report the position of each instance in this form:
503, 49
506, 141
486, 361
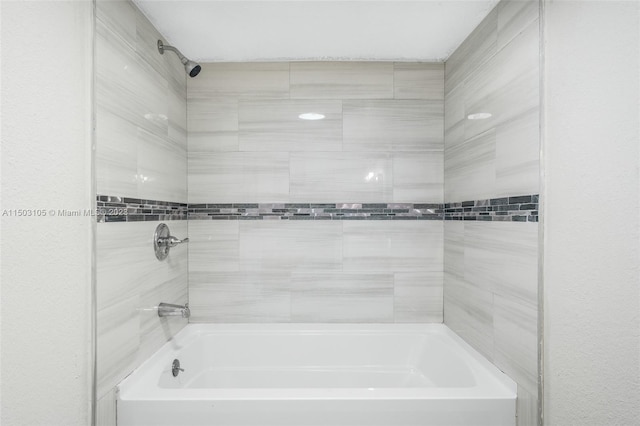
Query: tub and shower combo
329, 375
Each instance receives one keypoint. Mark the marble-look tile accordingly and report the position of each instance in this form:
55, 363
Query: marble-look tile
130, 284
341, 176
320, 296
454, 248
290, 246
501, 257
468, 310
237, 177
247, 296
454, 117
506, 85
417, 296
513, 17
418, 80
126, 86
515, 327
393, 246
120, 18
254, 80
213, 124
480, 45
116, 154
177, 118
162, 169
393, 125
418, 176
214, 246
118, 326
518, 155
106, 409
526, 408
469, 169
274, 125
341, 80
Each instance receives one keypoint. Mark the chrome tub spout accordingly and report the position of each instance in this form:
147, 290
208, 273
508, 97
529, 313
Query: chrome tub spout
171, 310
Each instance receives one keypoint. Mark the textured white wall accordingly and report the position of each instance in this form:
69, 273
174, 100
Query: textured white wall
591, 236
46, 164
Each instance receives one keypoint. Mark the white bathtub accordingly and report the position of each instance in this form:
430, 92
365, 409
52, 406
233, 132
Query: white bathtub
330, 375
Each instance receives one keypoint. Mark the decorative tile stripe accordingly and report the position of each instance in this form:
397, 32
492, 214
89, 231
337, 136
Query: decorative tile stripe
523, 208
122, 209
317, 211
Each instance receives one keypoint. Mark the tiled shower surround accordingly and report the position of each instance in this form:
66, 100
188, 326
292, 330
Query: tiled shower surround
394, 208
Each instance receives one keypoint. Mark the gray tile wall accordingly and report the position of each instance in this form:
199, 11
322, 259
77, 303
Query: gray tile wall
140, 129
490, 268
381, 142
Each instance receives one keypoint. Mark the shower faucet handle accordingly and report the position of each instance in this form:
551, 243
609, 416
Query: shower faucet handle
163, 241
171, 241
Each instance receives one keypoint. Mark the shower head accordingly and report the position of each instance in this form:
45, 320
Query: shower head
192, 68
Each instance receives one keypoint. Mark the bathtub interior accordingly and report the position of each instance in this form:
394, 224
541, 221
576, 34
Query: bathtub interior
308, 359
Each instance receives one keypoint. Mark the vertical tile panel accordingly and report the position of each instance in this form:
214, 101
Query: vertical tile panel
336, 176
393, 125
213, 124
480, 45
468, 310
274, 125
418, 296
526, 408
162, 169
454, 248
238, 177
418, 80
418, 176
393, 246
513, 17
502, 257
106, 409
255, 80
516, 341
470, 169
319, 296
341, 80
130, 284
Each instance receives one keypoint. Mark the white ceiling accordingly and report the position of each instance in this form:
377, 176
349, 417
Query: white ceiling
265, 30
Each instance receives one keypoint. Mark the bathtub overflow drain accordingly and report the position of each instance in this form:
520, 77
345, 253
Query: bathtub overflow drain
175, 368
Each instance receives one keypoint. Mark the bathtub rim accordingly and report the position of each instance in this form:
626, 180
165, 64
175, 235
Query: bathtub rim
139, 385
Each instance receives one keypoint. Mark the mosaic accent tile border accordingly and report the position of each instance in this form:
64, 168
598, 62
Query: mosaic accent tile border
110, 208
522, 208
317, 211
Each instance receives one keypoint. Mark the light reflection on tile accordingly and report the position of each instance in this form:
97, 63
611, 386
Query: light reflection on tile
214, 246
329, 176
274, 125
